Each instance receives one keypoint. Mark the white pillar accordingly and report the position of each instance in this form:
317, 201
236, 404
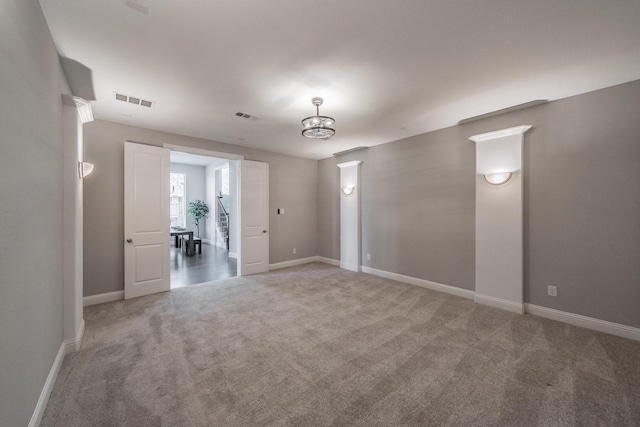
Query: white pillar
499, 220
350, 215
75, 112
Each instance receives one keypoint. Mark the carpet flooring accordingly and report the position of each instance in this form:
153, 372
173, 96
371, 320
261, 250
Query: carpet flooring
316, 345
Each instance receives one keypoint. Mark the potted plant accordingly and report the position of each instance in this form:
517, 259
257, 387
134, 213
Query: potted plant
198, 209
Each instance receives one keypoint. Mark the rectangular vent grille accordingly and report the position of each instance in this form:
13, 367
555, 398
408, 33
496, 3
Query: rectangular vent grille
133, 100
246, 115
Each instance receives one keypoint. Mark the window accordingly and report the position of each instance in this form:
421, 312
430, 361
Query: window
224, 180
177, 200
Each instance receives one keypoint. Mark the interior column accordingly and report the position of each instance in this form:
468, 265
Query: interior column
350, 215
499, 219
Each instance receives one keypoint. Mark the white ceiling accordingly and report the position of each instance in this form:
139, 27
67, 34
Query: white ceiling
386, 69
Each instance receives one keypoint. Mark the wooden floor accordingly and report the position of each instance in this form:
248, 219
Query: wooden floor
212, 264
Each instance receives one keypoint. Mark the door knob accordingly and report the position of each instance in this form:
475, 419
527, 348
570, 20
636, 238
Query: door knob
129, 240
264, 231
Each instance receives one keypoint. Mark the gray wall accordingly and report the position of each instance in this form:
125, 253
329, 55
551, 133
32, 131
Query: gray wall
196, 189
582, 204
292, 185
31, 285
418, 198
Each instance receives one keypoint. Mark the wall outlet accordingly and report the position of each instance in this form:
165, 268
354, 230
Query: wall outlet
368, 257
552, 291
280, 211
294, 251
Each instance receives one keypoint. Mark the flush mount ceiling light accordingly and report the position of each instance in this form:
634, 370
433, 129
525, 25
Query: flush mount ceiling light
497, 178
318, 127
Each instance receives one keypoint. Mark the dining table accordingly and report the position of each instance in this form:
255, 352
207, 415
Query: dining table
189, 246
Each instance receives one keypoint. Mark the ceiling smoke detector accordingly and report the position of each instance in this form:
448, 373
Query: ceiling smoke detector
133, 100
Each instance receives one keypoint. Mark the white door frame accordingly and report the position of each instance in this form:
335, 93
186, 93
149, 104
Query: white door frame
221, 155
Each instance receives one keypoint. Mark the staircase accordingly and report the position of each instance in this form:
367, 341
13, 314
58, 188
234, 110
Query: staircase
222, 222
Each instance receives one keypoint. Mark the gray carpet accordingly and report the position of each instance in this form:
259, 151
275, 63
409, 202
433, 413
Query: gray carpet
315, 345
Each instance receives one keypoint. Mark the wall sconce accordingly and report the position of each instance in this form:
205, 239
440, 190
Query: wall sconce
498, 178
348, 190
85, 168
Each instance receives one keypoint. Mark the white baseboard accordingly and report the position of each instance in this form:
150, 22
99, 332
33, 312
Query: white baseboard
502, 304
38, 412
350, 267
73, 345
420, 282
102, 298
233, 255
207, 241
330, 261
616, 329
292, 263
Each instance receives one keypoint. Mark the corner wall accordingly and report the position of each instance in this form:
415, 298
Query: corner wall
31, 222
581, 204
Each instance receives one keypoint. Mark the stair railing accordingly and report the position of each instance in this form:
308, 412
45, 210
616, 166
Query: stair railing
222, 209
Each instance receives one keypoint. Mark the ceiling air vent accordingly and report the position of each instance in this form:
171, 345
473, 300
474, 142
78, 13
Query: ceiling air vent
246, 115
133, 100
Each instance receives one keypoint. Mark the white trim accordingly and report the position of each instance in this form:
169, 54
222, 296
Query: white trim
102, 298
202, 152
38, 411
350, 267
434, 286
349, 164
233, 255
73, 345
291, 263
517, 130
503, 304
207, 241
329, 261
85, 114
616, 329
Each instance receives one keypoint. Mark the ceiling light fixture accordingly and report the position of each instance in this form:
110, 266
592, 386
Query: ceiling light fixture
318, 127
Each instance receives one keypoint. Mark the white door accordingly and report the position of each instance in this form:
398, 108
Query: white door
254, 218
146, 220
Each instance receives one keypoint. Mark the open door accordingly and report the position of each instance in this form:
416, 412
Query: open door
146, 220
254, 218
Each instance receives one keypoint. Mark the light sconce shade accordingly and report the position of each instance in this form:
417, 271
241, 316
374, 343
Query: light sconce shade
348, 190
498, 178
85, 168
318, 127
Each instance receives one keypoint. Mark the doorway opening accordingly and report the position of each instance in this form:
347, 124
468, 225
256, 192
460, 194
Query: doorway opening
204, 218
